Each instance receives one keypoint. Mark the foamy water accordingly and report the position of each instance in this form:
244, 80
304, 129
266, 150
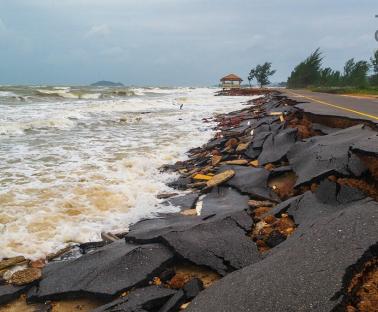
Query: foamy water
73, 166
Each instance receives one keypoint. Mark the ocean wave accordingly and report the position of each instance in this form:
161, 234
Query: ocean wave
7, 94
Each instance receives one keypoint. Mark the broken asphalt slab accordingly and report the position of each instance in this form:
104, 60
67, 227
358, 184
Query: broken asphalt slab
251, 181
330, 154
146, 298
10, 292
304, 273
223, 200
218, 242
104, 273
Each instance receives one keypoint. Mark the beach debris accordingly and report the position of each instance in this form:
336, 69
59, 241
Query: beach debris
258, 203
220, 178
215, 160
242, 147
108, 237
189, 212
240, 162
26, 276
199, 176
254, 163
165, 195
7, 263
174, 303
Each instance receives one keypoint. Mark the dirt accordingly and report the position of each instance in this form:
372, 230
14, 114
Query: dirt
82, 305
371, 162
186, 272
363, 289
283, 185
271, 230
369, 188
302, 123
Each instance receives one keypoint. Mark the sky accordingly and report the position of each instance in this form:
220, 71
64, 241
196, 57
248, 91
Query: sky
175, 42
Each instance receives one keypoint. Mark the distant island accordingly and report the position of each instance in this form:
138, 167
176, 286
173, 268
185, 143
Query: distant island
104, 83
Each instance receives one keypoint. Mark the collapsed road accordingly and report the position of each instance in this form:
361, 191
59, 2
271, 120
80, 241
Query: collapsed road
279, 213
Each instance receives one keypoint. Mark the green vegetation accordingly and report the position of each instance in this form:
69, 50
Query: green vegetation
354, 79
261, 73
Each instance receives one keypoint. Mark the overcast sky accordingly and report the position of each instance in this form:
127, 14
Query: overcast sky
175, 42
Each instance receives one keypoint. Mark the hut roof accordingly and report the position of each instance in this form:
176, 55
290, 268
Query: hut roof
231, 77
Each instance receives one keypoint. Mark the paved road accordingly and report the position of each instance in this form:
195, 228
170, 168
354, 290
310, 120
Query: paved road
338, 105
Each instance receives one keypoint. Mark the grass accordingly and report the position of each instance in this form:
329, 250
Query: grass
346, 90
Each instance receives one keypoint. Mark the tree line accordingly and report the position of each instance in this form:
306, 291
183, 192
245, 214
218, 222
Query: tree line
310, 73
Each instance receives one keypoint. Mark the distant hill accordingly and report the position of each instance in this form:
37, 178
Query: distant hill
104, 83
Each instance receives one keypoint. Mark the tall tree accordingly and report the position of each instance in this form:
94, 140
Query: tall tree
374, 64
356, 73
261, 73
306, 73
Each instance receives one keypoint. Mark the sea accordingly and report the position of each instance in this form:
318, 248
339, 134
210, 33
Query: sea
77, 161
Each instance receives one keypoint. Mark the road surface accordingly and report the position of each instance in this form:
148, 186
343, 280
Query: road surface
354, 107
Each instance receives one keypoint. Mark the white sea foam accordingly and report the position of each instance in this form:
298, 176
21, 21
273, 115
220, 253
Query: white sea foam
92, 165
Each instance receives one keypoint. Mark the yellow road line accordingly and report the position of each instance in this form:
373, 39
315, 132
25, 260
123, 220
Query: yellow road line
335, 106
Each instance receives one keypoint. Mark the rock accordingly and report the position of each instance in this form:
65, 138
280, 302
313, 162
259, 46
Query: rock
142, 299
202, 177
251, 181
174, 303
240, 162
10, 292
11, 262
325, 155
104, 273
220, 178
187, 201
254, 163
258, 203
193, 288
316, 260
276, 146
189, 212
223, 199
26, 276
181, 183
215, 160
221, 245
275, 238
242, 147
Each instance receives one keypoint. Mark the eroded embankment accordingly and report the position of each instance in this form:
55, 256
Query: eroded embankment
277, 201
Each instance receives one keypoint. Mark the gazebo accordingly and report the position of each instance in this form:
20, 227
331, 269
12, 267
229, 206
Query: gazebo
230, 81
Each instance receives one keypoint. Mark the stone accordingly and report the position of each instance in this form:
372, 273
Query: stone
142, 299
215, 160
275, 238
26, 276
258, 203
104, 273
311, 265
220, 178
6, 263
193, 288
240, 162
202, 177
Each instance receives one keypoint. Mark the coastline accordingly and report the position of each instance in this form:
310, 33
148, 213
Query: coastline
244, 210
